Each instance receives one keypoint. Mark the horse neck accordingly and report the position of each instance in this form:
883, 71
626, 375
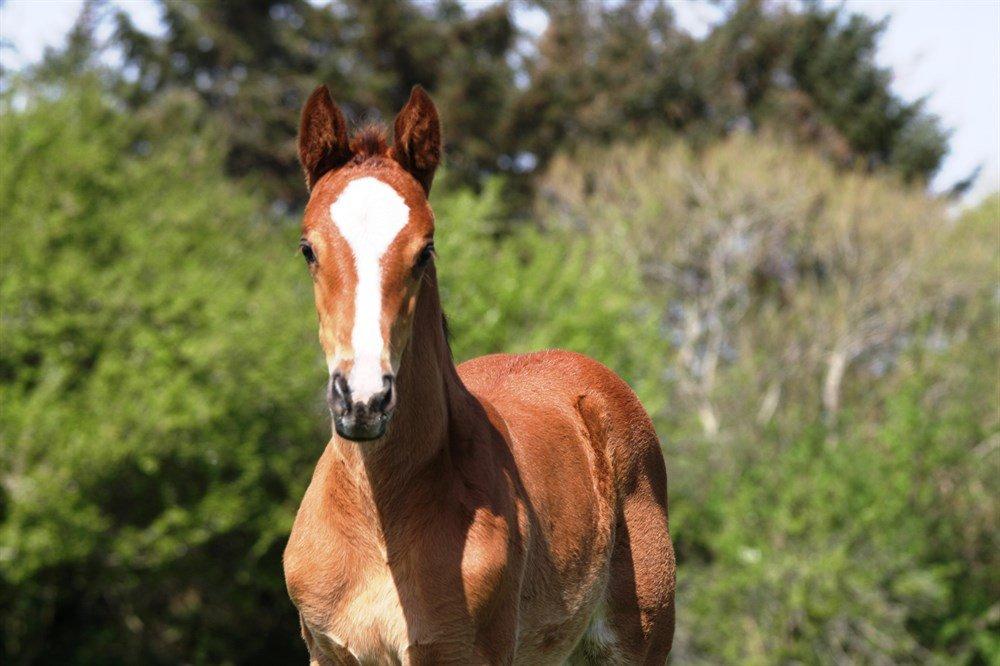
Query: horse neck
429, 388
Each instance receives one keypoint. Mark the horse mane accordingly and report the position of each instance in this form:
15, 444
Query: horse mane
369, 143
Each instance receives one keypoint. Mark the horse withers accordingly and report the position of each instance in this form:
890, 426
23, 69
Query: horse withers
509, 510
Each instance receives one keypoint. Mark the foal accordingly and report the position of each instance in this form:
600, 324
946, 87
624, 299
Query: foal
510, 510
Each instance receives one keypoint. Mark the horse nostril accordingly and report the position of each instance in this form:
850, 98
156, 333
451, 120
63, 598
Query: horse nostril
340, 393
384, 401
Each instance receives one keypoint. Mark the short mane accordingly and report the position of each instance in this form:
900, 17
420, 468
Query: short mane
369, 142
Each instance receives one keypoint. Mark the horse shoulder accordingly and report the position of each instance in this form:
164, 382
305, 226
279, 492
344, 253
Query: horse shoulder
329, 548
493, 505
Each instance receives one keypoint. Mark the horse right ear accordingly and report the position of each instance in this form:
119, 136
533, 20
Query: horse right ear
323, 142
417, 142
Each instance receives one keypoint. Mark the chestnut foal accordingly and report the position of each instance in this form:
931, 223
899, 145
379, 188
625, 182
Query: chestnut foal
510, 510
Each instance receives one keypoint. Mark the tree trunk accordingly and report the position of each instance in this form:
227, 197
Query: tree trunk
709, 422
769, 404
836, 366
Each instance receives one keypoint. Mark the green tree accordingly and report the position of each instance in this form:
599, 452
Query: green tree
863, 538
599, 72
613, 71
253, 65
605, 72
159, 417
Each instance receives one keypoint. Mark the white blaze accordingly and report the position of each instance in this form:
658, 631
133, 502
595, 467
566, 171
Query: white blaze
369, 214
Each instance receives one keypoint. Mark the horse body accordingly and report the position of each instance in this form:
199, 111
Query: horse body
592, 475
514, 510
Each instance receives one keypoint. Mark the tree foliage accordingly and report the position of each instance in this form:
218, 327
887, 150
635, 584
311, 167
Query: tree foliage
740, 232
152, 321
510, 100
162, 389
833, 439
253, 67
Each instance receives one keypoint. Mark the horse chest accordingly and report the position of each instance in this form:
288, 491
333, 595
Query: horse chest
429, 595
353, 606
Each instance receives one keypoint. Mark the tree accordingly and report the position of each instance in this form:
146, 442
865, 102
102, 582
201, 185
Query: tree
845, 519
599, 72
157, 409
252, 66
753, 246
605, 72
809, 72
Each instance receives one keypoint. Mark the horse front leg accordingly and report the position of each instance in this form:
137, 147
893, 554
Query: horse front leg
324, 652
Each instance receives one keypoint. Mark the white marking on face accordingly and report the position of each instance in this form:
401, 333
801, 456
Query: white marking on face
369, 215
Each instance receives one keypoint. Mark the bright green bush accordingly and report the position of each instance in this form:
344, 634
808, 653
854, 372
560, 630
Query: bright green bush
534, 290
881, 548
161, 394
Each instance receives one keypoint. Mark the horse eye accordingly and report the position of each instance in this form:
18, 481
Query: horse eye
426, 255
307, 252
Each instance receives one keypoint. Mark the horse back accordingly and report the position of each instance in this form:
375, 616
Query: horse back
554, 401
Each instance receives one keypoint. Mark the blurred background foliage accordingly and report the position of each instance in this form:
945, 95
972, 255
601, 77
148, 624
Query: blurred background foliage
737, 224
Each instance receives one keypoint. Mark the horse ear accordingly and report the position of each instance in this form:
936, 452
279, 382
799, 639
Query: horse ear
417, 142
323, 143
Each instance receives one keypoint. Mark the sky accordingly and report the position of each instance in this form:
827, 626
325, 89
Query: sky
948, 52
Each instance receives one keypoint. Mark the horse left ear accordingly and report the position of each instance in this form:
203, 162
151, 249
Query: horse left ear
323, 144
417, 142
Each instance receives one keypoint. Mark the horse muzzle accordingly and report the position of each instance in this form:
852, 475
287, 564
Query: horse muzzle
360, 420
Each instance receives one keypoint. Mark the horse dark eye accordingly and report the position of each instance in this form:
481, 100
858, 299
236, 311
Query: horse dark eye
426, 255
307, 252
